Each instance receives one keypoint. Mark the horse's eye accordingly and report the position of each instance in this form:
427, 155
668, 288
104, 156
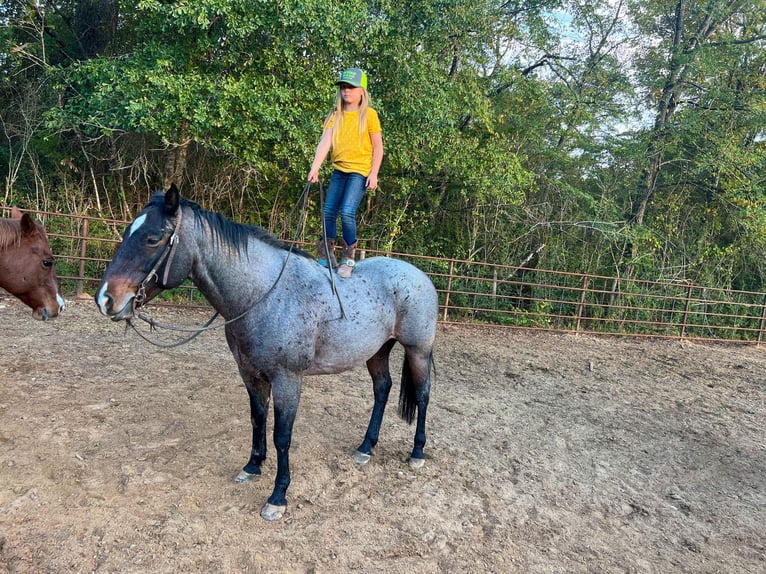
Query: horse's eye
153, 241
47, 263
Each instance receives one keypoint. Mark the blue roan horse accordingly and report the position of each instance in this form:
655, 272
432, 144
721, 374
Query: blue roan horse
284, 320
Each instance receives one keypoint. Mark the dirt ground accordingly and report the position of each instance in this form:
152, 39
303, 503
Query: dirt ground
546, 453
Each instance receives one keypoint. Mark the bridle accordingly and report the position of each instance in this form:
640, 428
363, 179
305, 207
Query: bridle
167, 254
167, 258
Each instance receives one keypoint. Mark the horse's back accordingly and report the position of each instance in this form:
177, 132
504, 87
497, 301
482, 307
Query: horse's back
408, 284
411, 295
383, 299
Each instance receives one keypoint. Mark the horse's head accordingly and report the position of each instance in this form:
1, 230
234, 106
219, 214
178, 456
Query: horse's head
145, 263
27, 269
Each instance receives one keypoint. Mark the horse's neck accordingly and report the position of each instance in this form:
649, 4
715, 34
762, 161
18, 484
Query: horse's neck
234, 279
9, 233
8, 258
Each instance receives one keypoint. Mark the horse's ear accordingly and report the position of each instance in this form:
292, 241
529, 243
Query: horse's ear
28, 226
15, 213
172, 199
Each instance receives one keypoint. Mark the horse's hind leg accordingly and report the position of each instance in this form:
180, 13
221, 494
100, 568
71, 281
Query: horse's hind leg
381, 384
415, 393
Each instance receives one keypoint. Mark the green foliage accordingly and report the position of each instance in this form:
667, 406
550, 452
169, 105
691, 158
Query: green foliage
707, 139
524, 131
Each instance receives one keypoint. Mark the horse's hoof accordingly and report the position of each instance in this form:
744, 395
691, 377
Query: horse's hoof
243, 477
417, 463
361, 457
272, 512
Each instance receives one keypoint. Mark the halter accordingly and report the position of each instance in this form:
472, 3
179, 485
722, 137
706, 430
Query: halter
167, 254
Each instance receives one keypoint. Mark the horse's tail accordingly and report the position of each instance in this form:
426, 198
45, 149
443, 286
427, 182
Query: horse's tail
408, 401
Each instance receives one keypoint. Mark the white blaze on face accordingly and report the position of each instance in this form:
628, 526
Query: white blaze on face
101, 299
136, 224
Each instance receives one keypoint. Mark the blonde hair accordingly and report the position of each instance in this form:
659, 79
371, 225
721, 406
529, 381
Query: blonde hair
337, 116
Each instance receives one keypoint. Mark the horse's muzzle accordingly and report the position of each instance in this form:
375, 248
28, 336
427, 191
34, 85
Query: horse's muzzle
45, 313
116, 311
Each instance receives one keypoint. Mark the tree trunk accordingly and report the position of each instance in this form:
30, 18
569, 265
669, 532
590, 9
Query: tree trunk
683, 47
665, 108
175, 162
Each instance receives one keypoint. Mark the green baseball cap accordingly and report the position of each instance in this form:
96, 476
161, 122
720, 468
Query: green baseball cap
354, 77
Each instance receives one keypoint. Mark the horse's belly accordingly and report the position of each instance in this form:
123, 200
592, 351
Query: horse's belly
337, 359
341, 349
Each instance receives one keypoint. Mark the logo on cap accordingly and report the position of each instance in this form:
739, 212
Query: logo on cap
354, 77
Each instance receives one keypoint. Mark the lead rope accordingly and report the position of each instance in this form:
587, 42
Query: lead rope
208, 326
153, 325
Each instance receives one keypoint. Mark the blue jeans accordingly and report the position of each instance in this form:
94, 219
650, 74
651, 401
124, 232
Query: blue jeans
344, 194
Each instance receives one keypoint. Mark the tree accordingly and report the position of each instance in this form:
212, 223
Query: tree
704, 76
508, 126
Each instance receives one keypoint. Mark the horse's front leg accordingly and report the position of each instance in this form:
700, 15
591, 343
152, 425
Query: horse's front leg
259, 391
287, 393
378, 368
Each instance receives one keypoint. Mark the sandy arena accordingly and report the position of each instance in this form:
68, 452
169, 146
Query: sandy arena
547, 454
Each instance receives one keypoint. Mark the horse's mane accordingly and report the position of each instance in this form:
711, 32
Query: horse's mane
232, 234
10, 233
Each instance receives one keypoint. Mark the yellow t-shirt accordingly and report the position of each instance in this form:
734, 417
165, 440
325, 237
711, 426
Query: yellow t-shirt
352, 152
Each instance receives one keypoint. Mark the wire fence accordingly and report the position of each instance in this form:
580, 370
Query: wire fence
483, 293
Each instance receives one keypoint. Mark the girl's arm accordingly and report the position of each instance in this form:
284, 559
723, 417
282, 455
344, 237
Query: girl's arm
377, 158
325, 143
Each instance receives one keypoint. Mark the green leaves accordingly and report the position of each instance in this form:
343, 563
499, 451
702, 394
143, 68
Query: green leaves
506, 126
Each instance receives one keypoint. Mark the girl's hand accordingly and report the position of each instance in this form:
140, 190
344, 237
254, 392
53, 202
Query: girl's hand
313, 176
372, 182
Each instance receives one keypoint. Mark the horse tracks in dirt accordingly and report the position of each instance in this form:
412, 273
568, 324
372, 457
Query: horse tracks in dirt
546, 453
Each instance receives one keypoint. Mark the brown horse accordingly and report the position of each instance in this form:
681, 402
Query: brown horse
26, 265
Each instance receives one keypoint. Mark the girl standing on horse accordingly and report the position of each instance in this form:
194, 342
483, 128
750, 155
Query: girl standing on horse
352, 130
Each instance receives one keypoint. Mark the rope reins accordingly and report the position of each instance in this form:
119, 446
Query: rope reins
167, 257
327, 249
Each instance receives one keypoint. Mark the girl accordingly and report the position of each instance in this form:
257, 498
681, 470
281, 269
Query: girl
352, 130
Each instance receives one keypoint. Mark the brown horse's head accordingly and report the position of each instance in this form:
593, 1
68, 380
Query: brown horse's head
27, 269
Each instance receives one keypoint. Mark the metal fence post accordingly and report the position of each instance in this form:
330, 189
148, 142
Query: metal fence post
763, 321
581, 303
83, 251
686, 309
449, 288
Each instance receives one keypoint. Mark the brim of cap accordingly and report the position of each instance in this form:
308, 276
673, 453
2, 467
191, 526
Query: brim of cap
356, 85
